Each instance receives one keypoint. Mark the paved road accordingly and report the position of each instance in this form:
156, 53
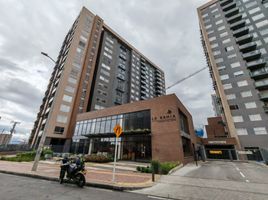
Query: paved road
214, 180
23, 188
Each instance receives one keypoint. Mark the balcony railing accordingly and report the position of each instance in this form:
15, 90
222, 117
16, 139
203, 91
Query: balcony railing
229, 6
244, 39
240, 32
265, 108
264, 96
259, 74
235, 18
225, 2
256, 63
238, 25
232, 12
263, 84
253, 55
248, 47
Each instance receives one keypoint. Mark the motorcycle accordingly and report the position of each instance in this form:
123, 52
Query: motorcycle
75, 172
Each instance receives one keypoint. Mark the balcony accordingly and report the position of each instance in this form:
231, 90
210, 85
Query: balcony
232, 12
256, 64
229, 6
248, 47
259, 74
264, 96
225, 2
244, 39
253, 55
238, 25
240, 32
234, 19
265, 108
262, 85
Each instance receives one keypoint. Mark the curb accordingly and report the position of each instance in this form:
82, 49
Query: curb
97, 185
175, 169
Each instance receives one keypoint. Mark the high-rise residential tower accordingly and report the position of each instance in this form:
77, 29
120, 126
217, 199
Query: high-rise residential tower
95, 69
235, 40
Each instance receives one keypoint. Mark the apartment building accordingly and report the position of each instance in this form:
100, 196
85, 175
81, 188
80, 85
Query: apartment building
96, 69
234, 35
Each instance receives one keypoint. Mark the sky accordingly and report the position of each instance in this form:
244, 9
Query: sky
166, 32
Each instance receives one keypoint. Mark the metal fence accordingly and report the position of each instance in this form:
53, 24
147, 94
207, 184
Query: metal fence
15, 147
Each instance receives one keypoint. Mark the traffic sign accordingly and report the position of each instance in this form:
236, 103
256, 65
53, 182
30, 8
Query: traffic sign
118, 130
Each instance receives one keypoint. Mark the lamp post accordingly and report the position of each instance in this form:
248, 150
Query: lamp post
43, 137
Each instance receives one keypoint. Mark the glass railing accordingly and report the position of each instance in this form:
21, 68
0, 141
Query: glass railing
256, 62
264, 95
252, 53
261, 83
232, 19
247, 45
228, 6
232, 12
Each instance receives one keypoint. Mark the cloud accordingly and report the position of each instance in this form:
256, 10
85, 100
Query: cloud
167, 32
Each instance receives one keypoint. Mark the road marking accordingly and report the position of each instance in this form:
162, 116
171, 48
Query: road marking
242, 174
247, 181
237, 169
155, 197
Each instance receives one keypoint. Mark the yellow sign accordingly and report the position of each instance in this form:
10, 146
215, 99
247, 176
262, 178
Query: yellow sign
215, 152
118, 130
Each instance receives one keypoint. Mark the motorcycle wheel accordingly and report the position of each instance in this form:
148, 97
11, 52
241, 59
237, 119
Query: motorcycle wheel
81, 181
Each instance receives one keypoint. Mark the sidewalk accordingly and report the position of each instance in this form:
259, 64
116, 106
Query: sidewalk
98, 175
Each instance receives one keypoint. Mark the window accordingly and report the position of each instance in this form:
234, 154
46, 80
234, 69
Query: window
58, 130
242, 83
224, 77
108, 50
241, 131
214, 45
64, 108
215, 53
219, 22
236, 64
205, 15
264, 32
212, 39
104, 79
107, 55
221, 28
238, 119
262, 23
255, 117
62, 119
223, 34
230, 96
67, 98
232, 56
106, 66
246, 94
250, 4
257, 17
219, 60
220, 68
215, 10
250, 105
105, 72
230, 48
226, 41
254, 10
110, 40
238, 73
72, 80
98, 107
233, 107
227, 86
260, 131
208, 26
69, 89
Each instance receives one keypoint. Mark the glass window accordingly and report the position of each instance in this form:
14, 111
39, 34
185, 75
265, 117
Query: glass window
264, 32
238, 119
212, 39
61, 119
108, 125
246, 94
241, 131
255, 117
250, 4
72, 80
226, 41
224, 77
214, 45
69, 89
64, 108
230, 96
257, 17
106, 66
260, 131
227, 86
219, 60
236, 64
67, 98
223, 34
250, 105
242, 83
93, 125
254, 10
238, 73
219, 22
221, 28
262, 23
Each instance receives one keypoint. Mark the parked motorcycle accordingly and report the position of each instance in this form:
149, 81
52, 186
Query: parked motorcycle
74, 170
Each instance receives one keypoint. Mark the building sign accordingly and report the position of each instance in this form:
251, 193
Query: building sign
245, 152
216, 142
168, 116
219, 152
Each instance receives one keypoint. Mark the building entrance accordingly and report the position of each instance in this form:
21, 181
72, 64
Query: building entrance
227, 152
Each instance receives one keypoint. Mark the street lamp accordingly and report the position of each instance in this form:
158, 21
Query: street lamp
45, 54
43, 137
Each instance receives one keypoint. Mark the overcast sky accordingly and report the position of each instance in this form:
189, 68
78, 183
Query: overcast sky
167, 32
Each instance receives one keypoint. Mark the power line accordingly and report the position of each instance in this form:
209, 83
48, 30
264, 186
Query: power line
187, 77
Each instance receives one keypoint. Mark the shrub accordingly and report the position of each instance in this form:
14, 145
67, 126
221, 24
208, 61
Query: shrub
144, 169
21, 157
155, 165
167, 166
47, 151
97, 158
